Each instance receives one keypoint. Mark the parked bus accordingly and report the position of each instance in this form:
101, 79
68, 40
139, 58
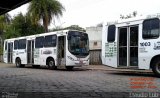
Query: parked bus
61, 48
132, 44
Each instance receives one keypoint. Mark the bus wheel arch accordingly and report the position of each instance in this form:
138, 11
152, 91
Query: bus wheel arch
50, 62
155, 65
18, 62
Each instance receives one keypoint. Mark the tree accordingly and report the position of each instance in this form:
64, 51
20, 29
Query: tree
45, 10
4, 22
22, 26
100, 25
72, 27
133, 14
75, 27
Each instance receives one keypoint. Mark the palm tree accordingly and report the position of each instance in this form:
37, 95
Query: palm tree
45, 10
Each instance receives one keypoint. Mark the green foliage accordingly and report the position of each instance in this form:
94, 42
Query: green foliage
75, 27
72, 27
45, 10
1, 50
133, 14
22, 26
4, 22
11, 32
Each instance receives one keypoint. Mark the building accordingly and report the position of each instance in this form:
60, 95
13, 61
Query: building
95, 43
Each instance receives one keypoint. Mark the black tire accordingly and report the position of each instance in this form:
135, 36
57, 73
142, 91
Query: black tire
51, 64
156, 67
18, 63
69, 67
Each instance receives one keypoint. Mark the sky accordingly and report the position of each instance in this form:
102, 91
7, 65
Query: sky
86, 13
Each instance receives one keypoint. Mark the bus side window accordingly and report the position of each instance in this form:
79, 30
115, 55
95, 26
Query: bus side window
151, 28
50, 41
22, 44
111, 33
15, 44
39, 42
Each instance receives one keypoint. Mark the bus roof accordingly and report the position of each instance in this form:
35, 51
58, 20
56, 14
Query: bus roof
134, 19
42, 34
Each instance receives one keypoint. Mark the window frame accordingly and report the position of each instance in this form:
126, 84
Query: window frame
39, 45
21, 45
17, 42
143, 29
110, 40
5, 47
53, 43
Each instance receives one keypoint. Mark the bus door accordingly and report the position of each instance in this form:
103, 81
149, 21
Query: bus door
128, 46
30, 52
61, 60
10, 52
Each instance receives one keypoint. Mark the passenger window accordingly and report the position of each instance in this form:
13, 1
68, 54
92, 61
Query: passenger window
39, 42
111, 33
151, 28
22, 44
15, 44
50, 41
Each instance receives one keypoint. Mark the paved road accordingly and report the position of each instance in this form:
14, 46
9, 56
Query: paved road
93, 81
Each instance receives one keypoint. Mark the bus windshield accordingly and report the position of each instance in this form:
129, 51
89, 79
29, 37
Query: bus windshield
78, 43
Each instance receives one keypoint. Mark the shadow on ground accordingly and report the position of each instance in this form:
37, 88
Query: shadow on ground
132, 73
46, 68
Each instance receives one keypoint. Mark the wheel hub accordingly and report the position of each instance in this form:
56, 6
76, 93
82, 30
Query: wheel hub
51, 63
158, 67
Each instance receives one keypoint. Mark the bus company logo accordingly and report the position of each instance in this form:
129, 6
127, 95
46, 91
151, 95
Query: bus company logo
157, 46
47, 52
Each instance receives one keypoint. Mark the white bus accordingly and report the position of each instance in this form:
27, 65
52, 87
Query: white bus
134, 43
61, 48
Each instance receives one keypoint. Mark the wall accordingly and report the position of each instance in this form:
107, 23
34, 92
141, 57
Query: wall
95, 37
95, 43
95, 57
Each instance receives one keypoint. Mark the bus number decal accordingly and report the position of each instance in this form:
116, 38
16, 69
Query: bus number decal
145, 44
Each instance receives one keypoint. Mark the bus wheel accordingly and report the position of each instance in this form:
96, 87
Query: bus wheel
156, 67
69, 67
51, 64
18, 63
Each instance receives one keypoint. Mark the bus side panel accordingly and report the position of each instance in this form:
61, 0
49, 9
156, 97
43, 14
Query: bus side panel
104, 39
146, 50
5, 56
5, 52
22, 54
37, 56
47, 52
109, 50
